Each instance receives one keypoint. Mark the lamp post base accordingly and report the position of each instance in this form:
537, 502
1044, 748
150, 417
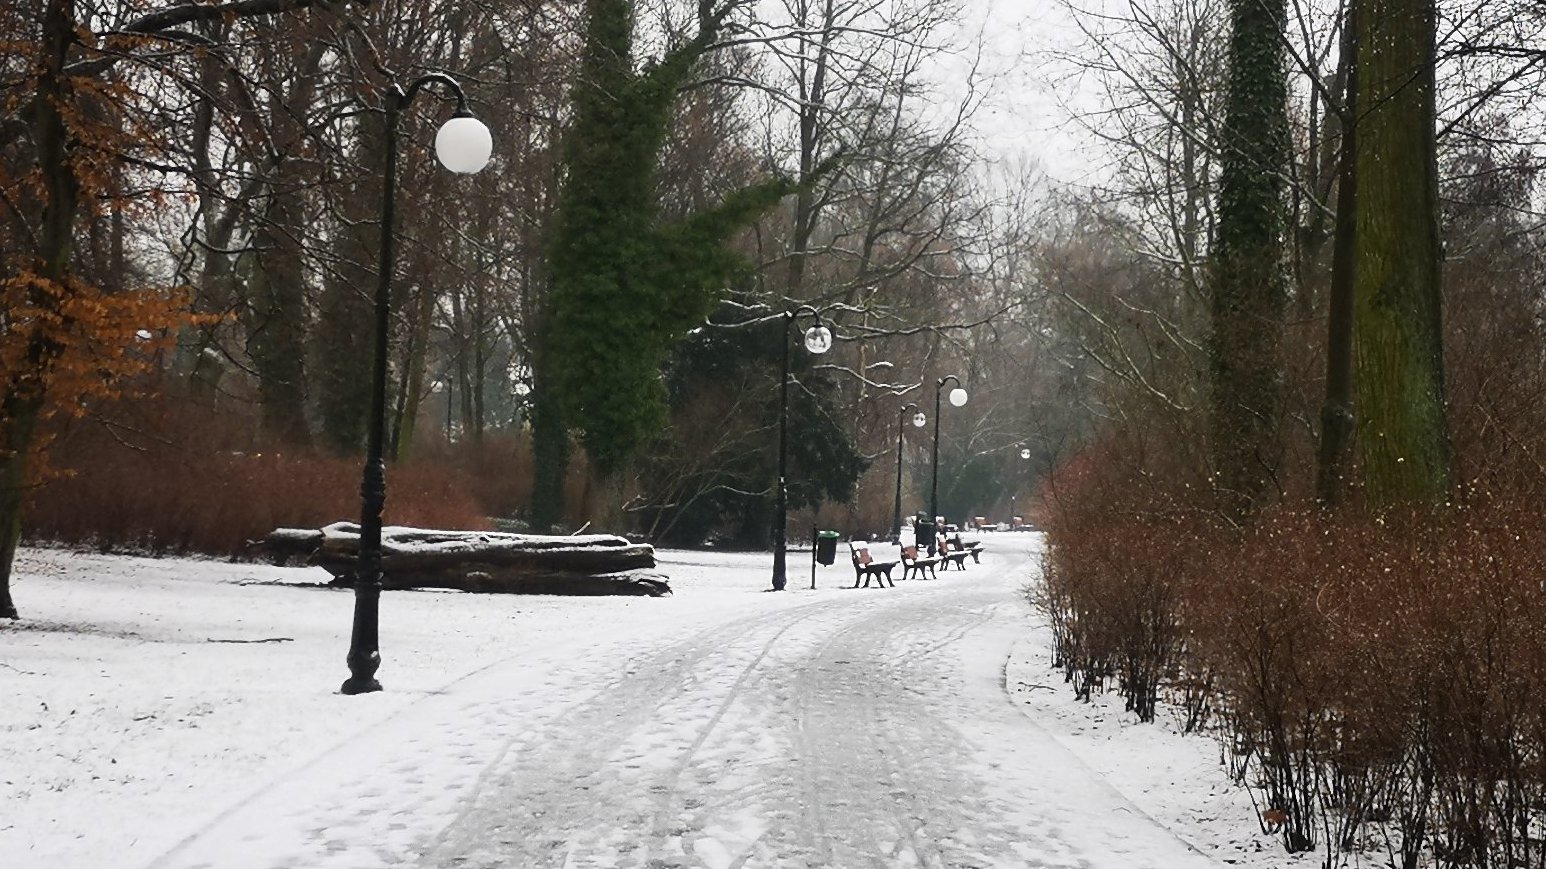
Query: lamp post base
364, 685
362, 678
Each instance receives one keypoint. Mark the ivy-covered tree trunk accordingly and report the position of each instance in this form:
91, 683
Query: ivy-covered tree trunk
1398, 342
603, 202
1248, 268
624, 286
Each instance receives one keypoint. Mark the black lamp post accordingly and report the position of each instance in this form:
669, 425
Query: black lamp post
1025, 454
919, 420
818, 340
957, 398
463, 145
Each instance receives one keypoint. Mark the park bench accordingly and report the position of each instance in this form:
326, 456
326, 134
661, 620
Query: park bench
970, 547
913, 564
867, 568
952, 553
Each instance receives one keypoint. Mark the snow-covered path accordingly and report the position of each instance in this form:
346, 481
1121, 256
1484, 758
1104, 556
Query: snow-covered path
838, 729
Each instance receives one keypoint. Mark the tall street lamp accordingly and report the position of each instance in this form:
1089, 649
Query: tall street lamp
919, 420
463, 145
818, 340
1025, 454
957, 399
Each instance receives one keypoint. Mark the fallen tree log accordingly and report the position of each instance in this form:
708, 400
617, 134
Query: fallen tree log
481, 561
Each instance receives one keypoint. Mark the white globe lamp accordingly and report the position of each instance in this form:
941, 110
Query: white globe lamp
818, 339
463, 145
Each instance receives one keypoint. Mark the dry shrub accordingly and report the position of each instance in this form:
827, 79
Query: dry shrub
1379, 681
1402, 679
164, 475
1113, 575
496, 470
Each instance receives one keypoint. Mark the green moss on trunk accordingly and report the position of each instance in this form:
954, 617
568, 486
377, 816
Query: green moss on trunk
1398, 344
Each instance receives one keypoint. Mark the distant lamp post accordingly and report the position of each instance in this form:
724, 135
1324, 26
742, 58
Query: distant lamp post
463, 145
818, 340
957, 399
1025, 453
919, 421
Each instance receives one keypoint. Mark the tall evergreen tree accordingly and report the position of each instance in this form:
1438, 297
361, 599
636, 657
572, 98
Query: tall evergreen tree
624, 285
1249, 280
1398, 340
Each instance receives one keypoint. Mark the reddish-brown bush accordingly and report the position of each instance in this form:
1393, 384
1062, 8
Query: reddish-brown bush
1379, 680
169, 476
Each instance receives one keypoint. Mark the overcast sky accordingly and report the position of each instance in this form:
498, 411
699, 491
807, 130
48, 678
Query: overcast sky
1023, 117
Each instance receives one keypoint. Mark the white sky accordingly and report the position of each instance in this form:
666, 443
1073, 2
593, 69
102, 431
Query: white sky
1023, 118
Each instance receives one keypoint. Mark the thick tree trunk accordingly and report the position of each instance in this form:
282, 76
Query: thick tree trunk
1398, 347
18, 423
23, 393
1249, 281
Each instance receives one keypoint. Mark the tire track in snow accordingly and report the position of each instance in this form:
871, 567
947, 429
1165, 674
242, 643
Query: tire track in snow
801, 738
533, 797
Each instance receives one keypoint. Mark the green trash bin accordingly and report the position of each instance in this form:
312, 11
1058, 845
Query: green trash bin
826, 548
925, 538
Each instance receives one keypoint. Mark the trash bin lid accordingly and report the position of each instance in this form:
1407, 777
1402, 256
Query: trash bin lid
829, 534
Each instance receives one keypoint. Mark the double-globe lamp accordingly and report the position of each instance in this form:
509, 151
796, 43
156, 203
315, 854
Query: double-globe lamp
463, 145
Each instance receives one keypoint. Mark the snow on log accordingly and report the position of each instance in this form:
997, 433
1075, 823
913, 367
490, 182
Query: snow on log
483, 561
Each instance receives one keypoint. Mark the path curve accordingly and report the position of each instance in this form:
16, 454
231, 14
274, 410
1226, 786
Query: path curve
864, 729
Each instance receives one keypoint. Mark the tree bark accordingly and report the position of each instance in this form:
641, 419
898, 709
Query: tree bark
1337, 410
277, 336
549, 447
1249, 281
26, 390
1398, 345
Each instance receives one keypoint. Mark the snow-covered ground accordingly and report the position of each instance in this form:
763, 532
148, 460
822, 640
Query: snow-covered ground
181, 713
